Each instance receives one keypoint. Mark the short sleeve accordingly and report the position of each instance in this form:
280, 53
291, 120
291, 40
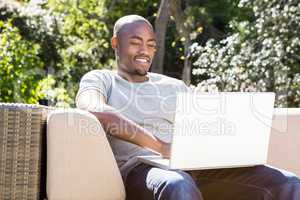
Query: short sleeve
99, 80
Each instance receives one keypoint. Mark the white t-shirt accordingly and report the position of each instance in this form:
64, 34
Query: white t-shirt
151, 104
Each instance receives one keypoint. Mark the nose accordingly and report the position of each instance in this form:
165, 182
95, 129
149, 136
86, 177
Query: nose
144, 49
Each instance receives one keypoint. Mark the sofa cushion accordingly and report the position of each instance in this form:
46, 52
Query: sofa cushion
80, 162
285, 139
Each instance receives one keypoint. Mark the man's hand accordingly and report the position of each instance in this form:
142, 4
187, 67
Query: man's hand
165, 150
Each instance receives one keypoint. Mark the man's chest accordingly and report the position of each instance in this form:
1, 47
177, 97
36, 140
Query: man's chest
146, 103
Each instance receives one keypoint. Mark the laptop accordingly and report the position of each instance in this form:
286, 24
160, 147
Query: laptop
219, 130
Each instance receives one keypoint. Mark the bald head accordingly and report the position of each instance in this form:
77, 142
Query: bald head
126, 20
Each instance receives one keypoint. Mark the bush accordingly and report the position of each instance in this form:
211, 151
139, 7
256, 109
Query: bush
20, 66
263, 55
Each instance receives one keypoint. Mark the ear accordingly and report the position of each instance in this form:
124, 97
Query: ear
114, 42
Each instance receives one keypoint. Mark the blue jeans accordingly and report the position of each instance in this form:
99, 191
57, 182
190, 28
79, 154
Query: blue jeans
261, 182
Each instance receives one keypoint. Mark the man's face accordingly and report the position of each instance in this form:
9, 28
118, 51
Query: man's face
135, 48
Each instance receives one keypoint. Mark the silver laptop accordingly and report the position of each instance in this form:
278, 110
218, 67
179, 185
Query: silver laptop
219, 130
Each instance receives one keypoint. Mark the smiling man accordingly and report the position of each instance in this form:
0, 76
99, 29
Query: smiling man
136, 109
135, 46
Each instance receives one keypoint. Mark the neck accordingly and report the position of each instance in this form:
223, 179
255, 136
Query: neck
133, 78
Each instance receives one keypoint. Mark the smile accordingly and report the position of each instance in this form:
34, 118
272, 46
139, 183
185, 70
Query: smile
142, 60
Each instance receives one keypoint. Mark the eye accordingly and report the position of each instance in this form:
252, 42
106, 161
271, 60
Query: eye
135, 42
152, 46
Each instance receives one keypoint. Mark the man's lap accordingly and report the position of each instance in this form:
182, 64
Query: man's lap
147, 182
258, 182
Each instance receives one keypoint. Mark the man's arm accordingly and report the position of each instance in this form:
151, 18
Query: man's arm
118, 125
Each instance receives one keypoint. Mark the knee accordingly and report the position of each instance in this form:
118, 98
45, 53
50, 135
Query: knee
180, 187
177, 183
289, 190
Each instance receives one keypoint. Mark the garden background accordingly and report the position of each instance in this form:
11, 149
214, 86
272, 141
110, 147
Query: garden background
214, 45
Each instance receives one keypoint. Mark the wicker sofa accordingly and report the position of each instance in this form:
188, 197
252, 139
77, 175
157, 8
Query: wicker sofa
77, 158
68, 146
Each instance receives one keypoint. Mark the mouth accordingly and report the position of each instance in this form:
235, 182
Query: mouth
142, 59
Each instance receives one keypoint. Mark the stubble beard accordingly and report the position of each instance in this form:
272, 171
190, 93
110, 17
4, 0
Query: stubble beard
140, 73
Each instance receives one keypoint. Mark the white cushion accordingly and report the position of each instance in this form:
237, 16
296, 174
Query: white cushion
80, 162
285, 139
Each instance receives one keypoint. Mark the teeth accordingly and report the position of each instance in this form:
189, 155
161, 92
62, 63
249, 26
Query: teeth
141, 60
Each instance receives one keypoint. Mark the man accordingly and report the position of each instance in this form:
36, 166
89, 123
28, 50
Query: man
136, 109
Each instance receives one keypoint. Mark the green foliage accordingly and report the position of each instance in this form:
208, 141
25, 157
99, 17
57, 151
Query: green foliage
47, 46
85, 40
71, 38
205, 20
263, 55
20, 66
85, 36
47, 89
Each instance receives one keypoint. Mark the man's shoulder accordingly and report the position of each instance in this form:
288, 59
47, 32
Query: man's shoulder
98, 79
100, 72
98, 75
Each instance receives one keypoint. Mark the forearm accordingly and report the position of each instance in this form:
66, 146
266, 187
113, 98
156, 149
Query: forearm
122, 128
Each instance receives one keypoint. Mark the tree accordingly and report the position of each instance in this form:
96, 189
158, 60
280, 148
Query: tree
183, 28
161, 24
190, 21
262, 55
